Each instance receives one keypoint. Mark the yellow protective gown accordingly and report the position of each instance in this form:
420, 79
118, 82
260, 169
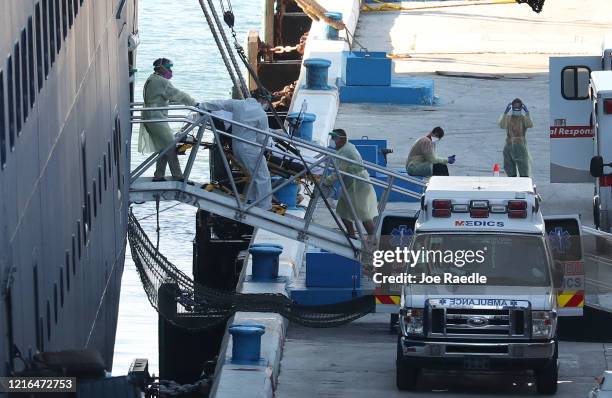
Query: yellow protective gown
158, 92
422, 157
516, 154
361, 193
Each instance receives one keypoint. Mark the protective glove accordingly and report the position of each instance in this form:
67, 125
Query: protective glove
451, 159
525, 108
508, 108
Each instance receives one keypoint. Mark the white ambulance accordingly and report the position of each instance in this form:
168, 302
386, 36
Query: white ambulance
496, 309
581, 126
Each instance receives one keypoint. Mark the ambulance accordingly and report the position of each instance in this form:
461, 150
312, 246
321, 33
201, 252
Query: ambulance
485, 289
581, 126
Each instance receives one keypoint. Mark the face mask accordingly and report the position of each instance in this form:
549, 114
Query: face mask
434, 139
265, 106
516, 113
167, 74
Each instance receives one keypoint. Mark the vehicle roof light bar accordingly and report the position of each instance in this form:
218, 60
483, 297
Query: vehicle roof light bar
498, 209
441, 208
461, 208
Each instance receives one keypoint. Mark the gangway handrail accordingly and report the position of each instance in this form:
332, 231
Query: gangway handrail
244, 209
139, 170
294, 140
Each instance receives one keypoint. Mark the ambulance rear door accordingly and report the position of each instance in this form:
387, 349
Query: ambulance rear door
571, 134
565, 240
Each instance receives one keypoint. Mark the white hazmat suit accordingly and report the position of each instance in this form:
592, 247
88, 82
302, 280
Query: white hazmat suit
248, 112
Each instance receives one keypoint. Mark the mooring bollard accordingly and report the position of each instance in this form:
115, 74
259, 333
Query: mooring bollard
332, 33
316, 73
265, 262
305, 129
287, 195
246, 342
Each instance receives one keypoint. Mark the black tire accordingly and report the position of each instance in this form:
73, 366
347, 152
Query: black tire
406, 376
394, 323
547, 378
596, 212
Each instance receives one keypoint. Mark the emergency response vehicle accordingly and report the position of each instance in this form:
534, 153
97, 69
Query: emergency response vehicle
581, 126
601, 98
508, 322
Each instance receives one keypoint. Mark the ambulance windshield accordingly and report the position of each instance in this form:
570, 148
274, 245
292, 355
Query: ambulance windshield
505, 260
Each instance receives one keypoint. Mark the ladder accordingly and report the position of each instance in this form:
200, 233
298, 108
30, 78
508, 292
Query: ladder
232, 205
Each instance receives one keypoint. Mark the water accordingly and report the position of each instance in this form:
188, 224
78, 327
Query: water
176, 30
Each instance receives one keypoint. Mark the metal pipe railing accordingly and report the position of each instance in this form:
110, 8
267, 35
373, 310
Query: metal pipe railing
295, 141
204, 121
373, 181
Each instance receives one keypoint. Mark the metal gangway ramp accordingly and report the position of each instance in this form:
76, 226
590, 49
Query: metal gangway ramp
231, 204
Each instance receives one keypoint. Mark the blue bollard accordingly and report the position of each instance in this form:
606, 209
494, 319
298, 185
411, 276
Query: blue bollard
287, 195
332, 33
276, 245
265, 262
246, 342
267, 245
305, 130
316, 73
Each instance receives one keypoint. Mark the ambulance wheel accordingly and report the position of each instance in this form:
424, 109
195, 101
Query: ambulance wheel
596, 213
406, 376
548, 377
394, 323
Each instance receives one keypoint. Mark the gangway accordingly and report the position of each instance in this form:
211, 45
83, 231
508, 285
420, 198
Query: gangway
318, 162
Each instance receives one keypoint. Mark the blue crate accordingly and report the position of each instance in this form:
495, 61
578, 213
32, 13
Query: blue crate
403, 90
371, 151
396, 196
322, 296
324, 269
362, 68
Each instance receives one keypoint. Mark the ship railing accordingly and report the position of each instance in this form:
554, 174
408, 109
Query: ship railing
324, 160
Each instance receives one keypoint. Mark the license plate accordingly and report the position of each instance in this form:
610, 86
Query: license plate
476, 363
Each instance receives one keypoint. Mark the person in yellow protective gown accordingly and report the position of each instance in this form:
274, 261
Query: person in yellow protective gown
360, 193
516, 154
154, 137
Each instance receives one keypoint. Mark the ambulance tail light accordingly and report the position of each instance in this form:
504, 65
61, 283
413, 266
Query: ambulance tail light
607, 105
441, 208
517, 209
479, 209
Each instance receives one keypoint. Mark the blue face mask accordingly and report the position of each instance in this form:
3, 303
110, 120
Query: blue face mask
516, 113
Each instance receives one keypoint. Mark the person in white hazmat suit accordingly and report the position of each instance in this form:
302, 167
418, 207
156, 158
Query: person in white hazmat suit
360, 193
249, 112
154, 137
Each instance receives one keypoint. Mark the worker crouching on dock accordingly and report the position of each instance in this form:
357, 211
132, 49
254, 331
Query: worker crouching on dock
422, 160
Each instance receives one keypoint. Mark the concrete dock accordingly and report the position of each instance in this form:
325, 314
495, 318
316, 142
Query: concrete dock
513, 44
358, 360
508, 40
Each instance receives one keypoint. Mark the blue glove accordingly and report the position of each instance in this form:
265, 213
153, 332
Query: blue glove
451, 159
508, 108
525, 108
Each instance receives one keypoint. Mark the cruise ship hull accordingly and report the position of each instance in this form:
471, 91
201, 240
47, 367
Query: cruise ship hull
64, 173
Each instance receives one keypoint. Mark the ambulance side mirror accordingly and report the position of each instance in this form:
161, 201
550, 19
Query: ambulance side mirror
597, 166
